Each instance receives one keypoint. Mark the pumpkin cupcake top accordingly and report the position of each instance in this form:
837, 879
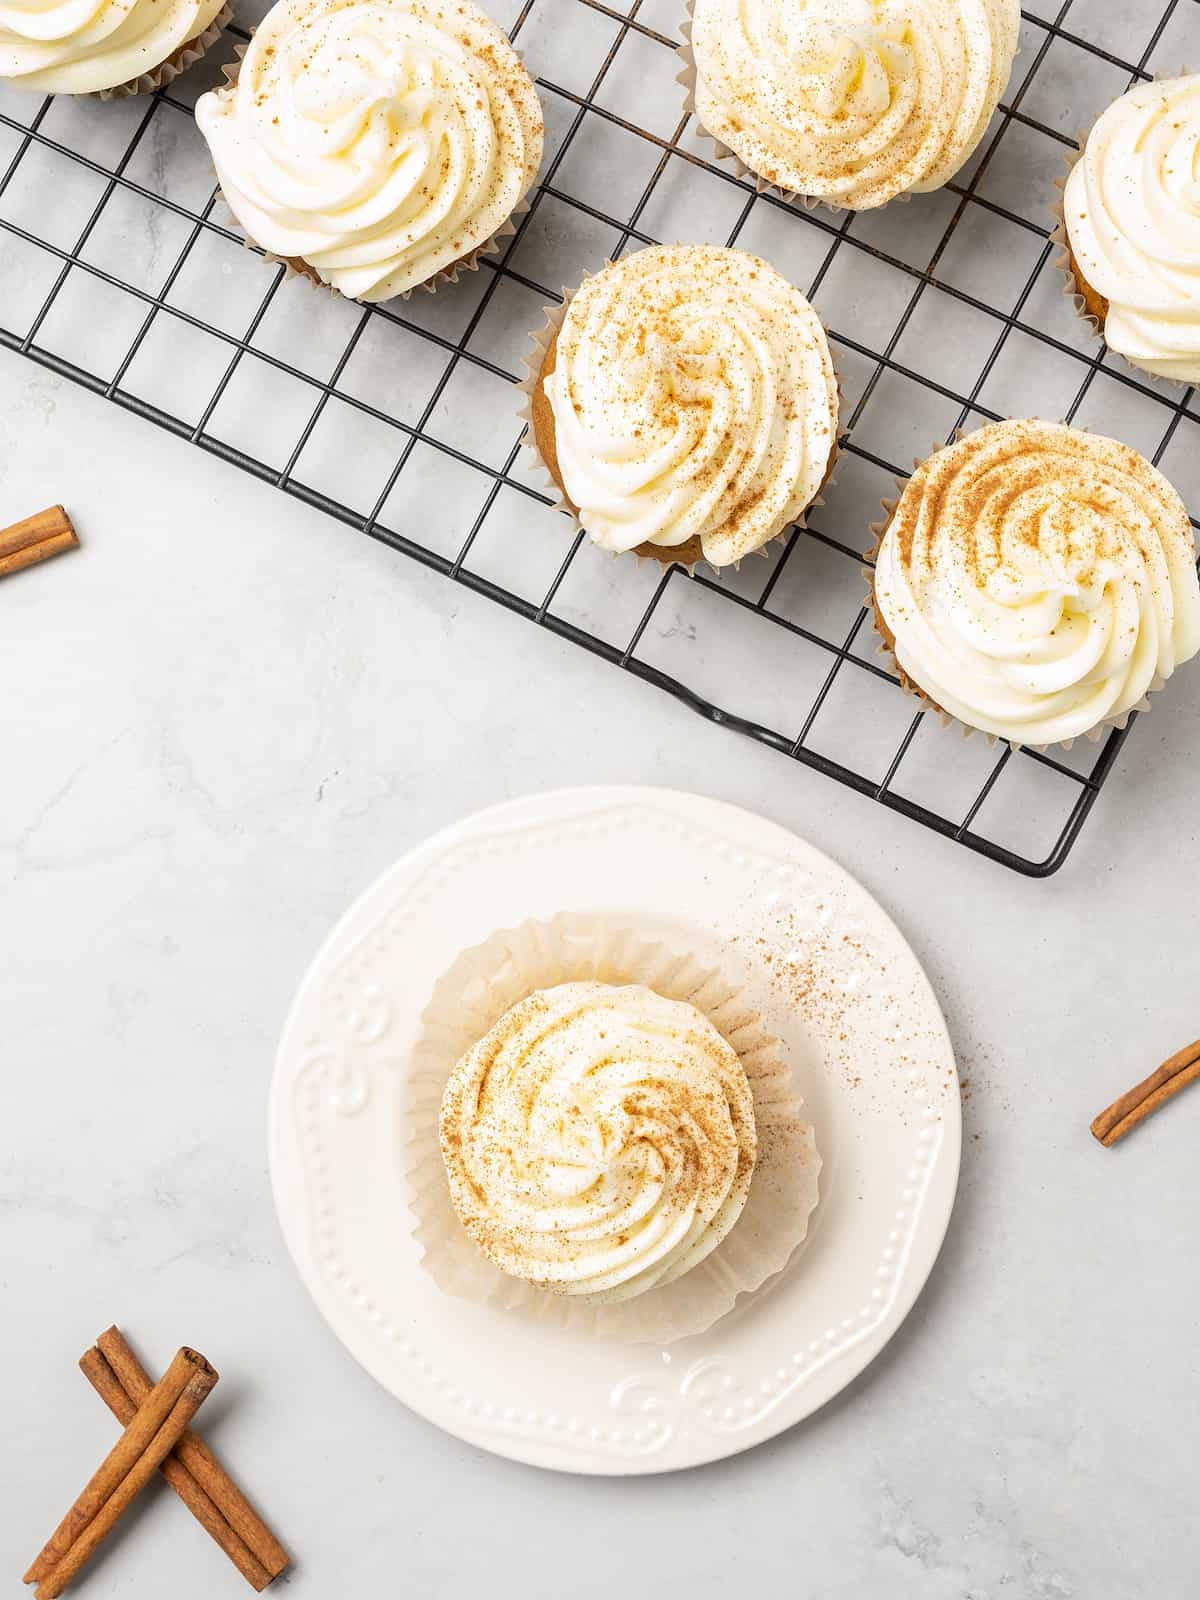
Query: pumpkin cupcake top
84, 46
378, 141
1037, 580
851, 101
1132, 214
693, 397
599, 1140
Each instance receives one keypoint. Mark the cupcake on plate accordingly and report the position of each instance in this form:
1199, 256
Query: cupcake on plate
599, 1140
684, 403
1131, 214
112, 48
375, 145
601, 1134
849, 101
1036, 582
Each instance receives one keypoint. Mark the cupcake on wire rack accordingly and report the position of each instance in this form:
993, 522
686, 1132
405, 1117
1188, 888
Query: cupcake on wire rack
112, 48
1130, 221
684, 404
853, 102
375, 146
1037, 582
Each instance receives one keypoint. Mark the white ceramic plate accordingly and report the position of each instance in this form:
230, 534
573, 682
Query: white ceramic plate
833, 978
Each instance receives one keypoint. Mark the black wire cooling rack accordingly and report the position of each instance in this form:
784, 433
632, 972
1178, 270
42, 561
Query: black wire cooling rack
400, 420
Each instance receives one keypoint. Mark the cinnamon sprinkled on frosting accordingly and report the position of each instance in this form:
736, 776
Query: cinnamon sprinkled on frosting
378, 141
693, 398
1132, 213
1037, 580
83, 46
599, 1140
852, 101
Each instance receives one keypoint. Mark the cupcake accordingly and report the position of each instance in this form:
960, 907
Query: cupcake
599, 1140
1131, 214
845, 101
375, 145
601, 1135
106, 47
1036, 582
685, 405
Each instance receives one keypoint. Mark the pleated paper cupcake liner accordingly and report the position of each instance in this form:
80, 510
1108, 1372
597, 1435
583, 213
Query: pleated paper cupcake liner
297, 267
470, 999
1085, 300
176, 63
689, 555
887, 644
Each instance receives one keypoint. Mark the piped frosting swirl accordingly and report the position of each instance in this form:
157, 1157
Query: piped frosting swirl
379, 141
693, 397
83, 46
1132, 213
1036, 581
599, 1140
852, 101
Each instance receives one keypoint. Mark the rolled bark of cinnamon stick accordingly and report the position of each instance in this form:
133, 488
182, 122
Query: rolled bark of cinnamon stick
154, 1452
207, 1513
1120, 1118
200, 1461
115, 1467
37, 538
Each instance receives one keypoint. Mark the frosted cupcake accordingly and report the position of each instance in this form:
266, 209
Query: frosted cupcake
599, 1140
850, 101
685, 405
376, 145
106, 47
1036, 582
1131, 210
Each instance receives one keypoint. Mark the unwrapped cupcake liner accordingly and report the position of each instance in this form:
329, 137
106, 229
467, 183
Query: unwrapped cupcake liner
687, 76
176, 63
887, 643
297, 267
660, 555
470, 999
1065, 260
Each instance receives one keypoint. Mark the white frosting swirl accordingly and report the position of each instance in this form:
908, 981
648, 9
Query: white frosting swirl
599, 1140
693, 397
1132, 210
852, 101
83, 46
379, 141
1038, 580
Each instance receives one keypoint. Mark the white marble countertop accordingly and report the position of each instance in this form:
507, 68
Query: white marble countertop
222, 718
226, 714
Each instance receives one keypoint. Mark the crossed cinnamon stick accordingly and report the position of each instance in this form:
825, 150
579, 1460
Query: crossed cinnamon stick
156, 1437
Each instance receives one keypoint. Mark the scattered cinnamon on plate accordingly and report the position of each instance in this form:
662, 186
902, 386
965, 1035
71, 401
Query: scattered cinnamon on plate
37, 538
1124, 1114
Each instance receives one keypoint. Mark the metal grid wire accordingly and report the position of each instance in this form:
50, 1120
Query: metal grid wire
116, 273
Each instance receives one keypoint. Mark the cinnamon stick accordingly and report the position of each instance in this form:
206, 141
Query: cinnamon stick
108, 1386
1120, 1118
154, 1452
151, 1414
200, 1462
47, 533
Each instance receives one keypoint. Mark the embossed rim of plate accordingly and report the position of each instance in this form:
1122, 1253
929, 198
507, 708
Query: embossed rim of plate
890, 1136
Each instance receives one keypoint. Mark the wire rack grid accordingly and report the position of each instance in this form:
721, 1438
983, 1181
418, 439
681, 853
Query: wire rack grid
118, 272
